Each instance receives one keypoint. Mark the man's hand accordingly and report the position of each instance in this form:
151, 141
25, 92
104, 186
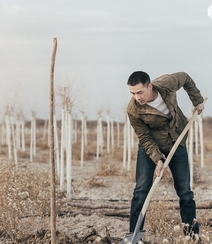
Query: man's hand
199, 108
159, 168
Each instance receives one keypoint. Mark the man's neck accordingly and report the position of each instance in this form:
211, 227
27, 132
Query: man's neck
154, 95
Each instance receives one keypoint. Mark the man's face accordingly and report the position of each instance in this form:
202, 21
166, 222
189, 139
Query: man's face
142, 94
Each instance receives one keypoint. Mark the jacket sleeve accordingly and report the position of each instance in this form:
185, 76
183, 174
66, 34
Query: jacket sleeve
145, 139
182, 79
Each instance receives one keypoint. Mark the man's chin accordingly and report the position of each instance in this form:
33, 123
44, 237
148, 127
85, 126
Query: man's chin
141, 102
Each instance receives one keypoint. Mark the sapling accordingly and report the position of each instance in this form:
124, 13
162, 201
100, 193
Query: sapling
82, 138
197, 126
108, 130
3, 132
128, 144
18, 131
132, 137
66, 139
63, 139
8, 132
75, 131
199, 119
23, 146
62, 146
101, 136
56, 144
69, 154
85, 131
118, 133
125, 144
112, 134
45, 130
33, 136
196, 135
98, 136
13, 136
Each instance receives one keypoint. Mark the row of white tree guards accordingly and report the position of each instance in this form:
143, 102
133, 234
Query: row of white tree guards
13, 133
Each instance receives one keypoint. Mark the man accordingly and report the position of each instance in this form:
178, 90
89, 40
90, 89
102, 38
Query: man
158, 121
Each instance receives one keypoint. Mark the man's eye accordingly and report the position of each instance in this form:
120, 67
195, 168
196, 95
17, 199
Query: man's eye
136, 93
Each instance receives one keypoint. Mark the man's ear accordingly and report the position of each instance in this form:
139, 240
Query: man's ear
150, 86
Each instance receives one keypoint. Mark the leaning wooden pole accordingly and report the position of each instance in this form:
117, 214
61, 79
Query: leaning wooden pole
51, 151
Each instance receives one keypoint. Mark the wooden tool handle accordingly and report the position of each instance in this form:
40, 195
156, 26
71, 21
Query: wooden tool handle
168, 159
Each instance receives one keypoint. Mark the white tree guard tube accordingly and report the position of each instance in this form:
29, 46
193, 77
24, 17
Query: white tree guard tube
112, 134
69, 155
8, 133
125, 144
14, 139
62, 148
118, 134
82, 138
18, 132
128, 144
34, 134
201, 139
56, 143
98, 136
108, 132
23, 146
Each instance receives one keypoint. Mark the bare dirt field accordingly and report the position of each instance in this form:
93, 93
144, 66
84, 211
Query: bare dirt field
98, 211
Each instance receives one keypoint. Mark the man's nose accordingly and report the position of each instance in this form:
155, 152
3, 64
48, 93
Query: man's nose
137, 96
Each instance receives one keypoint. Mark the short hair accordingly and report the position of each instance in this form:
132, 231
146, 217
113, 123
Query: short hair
138, 77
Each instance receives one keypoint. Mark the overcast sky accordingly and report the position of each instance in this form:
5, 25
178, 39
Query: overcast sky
100, 43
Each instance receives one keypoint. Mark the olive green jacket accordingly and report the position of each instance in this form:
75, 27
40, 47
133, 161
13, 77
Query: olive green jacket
155, 130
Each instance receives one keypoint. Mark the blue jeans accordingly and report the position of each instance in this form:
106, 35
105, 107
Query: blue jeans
181, 175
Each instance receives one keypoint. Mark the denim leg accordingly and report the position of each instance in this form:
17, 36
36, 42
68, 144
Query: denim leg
144, 177
181, 174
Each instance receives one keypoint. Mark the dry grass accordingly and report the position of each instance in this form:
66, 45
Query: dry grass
107, 167
96, 182
24, 195
165, 226
208, 146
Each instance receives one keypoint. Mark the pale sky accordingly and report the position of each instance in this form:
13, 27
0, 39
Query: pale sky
100, 43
